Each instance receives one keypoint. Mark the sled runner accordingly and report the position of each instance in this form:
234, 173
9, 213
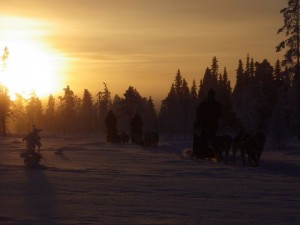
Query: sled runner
202, 146
31, 159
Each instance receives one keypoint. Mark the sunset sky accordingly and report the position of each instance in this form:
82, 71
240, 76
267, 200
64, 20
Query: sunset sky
142, 43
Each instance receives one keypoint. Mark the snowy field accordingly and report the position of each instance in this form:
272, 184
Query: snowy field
93, 182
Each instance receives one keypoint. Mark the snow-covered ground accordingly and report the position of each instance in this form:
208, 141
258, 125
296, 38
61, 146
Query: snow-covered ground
93, 182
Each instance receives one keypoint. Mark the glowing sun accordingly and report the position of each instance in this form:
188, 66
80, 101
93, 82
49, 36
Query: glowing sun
28, 68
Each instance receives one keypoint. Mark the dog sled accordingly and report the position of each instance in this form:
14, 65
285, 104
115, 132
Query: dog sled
202, 148
31, 159
32, 155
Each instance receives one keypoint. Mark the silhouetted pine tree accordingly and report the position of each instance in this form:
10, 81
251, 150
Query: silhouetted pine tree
176, 114
18, 125
280, 122
178, 82
171, 112
103, 105
214, 74
87, 112
264, 90
247, 73
125, 108
34, 112
244, 102
185, 102
240, 80
68, 110
205, 85
133, 102
194, 101
77, 121
225, 95
76, 118
291, 28
194, 95
210, 80
167, 112
150, 123
50, 116
5, 109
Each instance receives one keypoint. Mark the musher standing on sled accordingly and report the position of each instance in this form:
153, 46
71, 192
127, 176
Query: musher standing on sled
208, 114
32, 140
32, 158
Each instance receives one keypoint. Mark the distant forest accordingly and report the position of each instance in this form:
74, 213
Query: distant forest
263, 97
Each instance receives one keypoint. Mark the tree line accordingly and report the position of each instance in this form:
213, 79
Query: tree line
70, 114
263, 97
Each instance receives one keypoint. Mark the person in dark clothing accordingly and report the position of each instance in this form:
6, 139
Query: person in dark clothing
136, 129
206, 125
33, 140
111, 126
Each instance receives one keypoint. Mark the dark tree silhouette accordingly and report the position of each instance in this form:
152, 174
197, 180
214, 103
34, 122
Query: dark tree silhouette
291, 16
5, 103
244, 101
214, 73
68, 110
50, 116
264, 89
103, 105
133, 102
225, 97
280, 121
194, 94
210, 80
176, 111
205, 84
18, 106
291, 28
77, 119
5, 109
87, 110
167, 112
125, 108
150, 124
34, 111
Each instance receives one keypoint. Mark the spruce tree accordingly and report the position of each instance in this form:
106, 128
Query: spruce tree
205, 84
5, 109
103, 105
225, 95
19, 108
178, 82
264, 90
167, 111
214, 74
291, 29
150, 124
68, 110
280, 121
244, 102
50, 114
34, 111
87, 114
